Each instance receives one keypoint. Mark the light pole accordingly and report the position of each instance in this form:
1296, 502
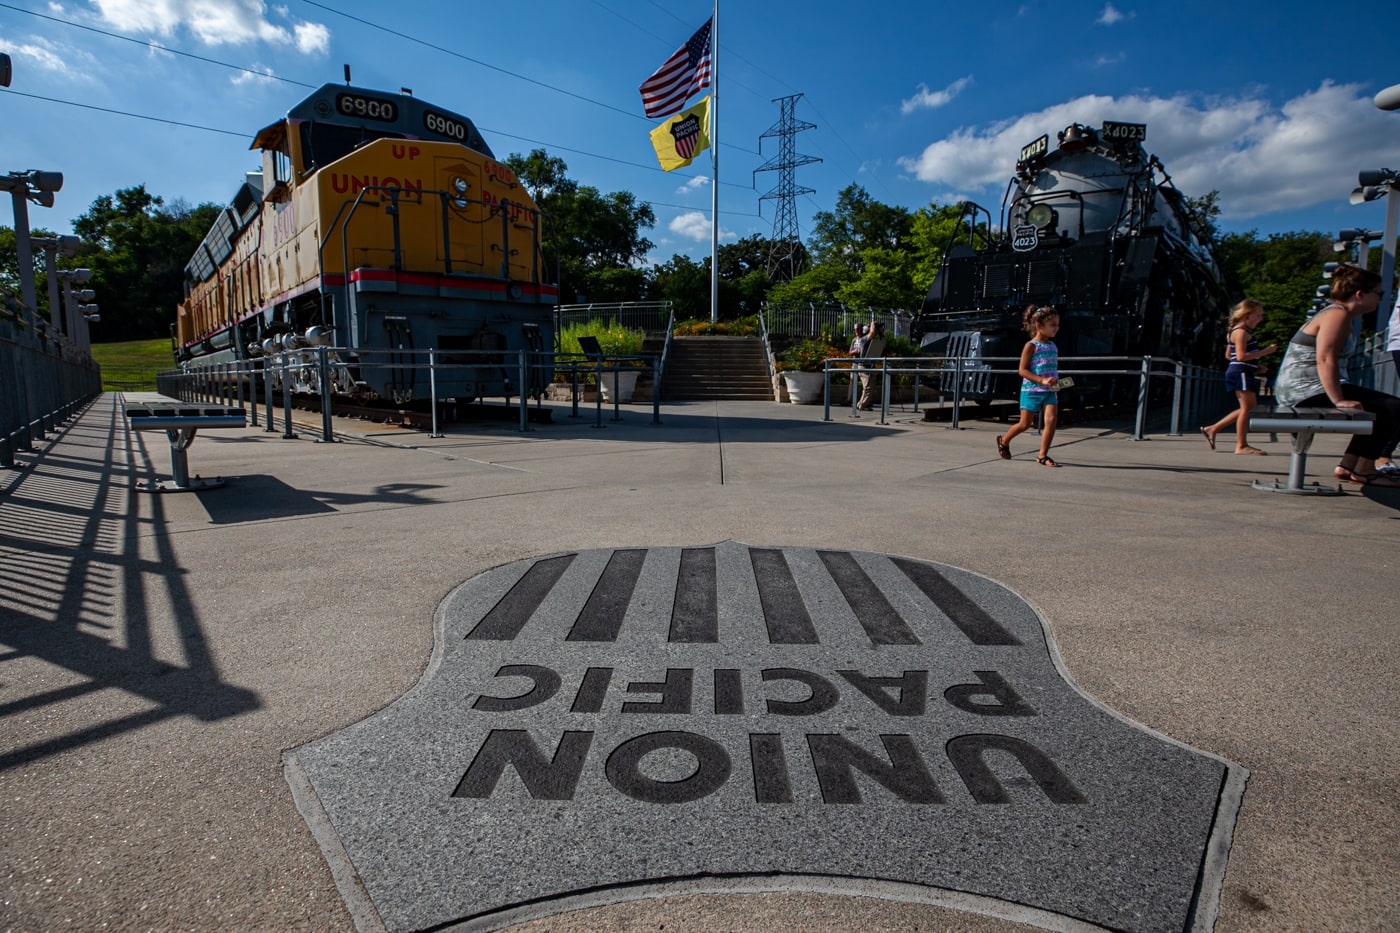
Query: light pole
1376, 184
24, 187
77, 309
53, 246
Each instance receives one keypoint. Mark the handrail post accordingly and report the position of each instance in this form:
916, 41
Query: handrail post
267, 392
323, 373
884, 388
1144, 378
1177, 379
655, 389
524, 391
432, 390
953, 423
287, 431
826, 396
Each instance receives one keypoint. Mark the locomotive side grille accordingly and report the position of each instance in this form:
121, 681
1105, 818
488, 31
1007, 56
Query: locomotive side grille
1043, 280
996, 281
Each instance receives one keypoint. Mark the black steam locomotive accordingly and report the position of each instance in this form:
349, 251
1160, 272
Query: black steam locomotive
1095, 228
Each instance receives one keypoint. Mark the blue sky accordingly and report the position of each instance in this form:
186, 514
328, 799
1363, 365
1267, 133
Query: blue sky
1268, 102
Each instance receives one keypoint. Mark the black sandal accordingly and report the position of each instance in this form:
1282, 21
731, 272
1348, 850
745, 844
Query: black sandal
1003, 451
1046, 461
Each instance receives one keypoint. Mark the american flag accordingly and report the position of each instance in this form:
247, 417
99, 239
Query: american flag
684, 73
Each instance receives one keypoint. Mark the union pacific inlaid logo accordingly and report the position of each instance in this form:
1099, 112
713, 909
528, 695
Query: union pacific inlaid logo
606, 720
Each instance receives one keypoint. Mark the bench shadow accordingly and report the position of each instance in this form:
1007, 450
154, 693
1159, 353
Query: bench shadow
81, 569
261, 497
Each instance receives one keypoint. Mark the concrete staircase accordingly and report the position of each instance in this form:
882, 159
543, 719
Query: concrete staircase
716, 368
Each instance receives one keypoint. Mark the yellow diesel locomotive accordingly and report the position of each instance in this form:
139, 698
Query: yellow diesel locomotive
381, 227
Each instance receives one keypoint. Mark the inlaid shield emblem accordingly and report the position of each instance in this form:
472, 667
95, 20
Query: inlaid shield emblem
599, 725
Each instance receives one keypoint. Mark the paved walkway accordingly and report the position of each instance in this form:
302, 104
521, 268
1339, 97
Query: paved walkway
158, 654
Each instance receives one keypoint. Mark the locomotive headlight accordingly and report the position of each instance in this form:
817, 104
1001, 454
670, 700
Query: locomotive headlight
1041, 216
459, 185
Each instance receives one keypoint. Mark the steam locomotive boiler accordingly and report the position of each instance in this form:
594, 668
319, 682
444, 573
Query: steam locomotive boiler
1095, 228
380, 227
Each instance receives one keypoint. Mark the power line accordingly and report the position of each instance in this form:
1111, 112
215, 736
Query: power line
125, 113
158, 48
247, 135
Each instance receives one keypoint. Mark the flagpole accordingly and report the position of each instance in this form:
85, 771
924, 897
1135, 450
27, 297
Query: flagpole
714, 166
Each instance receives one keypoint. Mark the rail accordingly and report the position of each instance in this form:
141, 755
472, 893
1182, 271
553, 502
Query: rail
323, 367
811, 319
45, 379
1193, 387
654, 317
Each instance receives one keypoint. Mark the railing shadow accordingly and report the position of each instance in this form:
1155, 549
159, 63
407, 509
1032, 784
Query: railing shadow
83, 581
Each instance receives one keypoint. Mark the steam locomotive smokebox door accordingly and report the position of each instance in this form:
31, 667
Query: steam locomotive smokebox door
465, 212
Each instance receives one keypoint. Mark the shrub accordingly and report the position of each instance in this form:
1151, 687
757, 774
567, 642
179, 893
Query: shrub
739, 327
613, 338
809, 356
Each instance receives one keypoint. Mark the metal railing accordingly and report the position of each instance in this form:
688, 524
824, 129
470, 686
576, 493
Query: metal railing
45, 379
320, 370
654, 317
812, 320
1196, 390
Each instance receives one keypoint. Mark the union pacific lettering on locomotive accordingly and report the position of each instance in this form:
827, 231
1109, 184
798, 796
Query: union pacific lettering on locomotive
380, 227
1094, 227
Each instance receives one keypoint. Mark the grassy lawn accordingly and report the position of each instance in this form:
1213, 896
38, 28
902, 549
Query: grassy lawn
132, 366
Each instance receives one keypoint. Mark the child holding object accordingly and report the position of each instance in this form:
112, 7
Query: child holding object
1040, 380
1241, 353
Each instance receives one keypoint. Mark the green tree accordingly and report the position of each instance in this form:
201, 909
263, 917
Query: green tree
686, 284
817, 285
886, 281
931, 232
137, 250
858, 223
1282, 271
1203, 214
585, 231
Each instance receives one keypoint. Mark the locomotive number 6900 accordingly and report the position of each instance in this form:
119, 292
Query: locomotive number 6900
444, 126
371, 108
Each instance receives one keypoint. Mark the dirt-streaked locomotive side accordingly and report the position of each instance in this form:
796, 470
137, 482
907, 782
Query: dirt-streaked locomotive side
1095, 228
380, 226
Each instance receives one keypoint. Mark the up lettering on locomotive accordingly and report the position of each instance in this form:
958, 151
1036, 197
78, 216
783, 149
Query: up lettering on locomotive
379, 228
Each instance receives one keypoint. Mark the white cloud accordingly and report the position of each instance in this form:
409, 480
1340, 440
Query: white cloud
312, 38
260, 75
1260, 157
41, 55
1110, 15
213, 22
695, 226
693, 184
1105, 60
930, 100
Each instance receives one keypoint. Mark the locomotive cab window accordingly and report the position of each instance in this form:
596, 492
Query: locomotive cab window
323, 143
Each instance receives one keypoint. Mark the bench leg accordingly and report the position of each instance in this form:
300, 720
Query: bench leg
180, 441
1298, 472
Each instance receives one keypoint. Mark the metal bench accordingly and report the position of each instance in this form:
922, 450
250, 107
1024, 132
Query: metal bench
1304, 424
151, 411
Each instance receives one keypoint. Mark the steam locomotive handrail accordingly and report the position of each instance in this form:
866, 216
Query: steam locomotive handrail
1054, 195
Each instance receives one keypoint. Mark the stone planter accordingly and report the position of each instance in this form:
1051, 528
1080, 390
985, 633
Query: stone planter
804, 388
626, 383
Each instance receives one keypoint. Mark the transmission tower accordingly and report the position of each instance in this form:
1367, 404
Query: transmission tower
786, 256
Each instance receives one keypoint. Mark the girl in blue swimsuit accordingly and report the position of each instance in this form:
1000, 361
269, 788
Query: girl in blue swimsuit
1040, 383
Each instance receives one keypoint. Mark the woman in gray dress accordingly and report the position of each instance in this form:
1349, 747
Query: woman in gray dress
1311, 374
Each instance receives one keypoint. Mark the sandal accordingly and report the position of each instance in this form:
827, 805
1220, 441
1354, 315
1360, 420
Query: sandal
1252, 451
1209, 440
1003, 451
1379, 480
1046, 461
